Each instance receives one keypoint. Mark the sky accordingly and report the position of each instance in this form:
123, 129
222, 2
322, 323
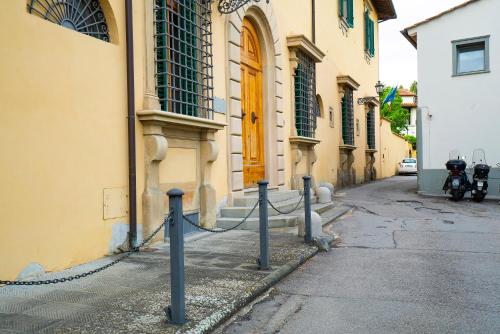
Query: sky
398, 58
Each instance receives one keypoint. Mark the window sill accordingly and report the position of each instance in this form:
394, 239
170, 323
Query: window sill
343, 25
470, 73
165, 119
371, 151
304, 140
349, 148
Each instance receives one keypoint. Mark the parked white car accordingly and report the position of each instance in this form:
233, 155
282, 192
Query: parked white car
408, 166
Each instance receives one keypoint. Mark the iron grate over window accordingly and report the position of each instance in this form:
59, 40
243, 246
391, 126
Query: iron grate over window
85, 16
306, 104
370, 128
184, 68
348, 117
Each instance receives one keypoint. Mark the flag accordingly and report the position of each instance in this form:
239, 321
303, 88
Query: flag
391, 96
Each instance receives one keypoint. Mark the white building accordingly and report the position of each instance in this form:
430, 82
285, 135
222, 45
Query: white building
410, 104
459, 84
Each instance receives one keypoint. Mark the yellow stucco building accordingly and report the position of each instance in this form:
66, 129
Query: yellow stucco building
277, 89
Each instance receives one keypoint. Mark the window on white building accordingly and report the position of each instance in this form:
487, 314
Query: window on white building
471, 56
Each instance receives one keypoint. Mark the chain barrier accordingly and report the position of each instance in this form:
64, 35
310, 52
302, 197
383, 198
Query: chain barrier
287, 212
190, 222
126, 255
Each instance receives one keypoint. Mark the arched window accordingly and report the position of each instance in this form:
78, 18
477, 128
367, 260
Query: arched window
85, 16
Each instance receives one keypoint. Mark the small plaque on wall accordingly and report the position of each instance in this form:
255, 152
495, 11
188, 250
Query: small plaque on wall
114, 203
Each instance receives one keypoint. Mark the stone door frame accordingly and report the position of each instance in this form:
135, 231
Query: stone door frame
264, 20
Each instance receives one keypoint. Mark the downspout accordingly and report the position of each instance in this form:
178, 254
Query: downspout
132, 169
313, 21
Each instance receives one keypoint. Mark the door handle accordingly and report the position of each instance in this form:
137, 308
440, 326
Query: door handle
254, 118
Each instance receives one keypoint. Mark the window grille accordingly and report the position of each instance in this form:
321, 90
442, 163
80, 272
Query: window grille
348, 117
85, 16
306, 104
184, 68
370, 128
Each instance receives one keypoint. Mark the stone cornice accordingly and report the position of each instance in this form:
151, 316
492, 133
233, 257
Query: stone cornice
346, 80
302, 43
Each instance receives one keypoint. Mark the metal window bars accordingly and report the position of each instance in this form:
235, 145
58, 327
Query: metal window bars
85, 16
370, 128
184, 68
348, 117
306, 104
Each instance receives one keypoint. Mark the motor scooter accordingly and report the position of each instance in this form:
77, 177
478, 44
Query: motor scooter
479, 187
457, 183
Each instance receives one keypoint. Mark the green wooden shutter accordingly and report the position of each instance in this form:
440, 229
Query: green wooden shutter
372, 38
350, 13
341, 7
367, 31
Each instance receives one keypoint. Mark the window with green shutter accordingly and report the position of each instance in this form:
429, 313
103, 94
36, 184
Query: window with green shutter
348, 117
306, 104
369, 35
184, 79
346, 11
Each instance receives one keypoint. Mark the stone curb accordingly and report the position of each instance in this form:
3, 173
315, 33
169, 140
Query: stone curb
345, 209
213, 321
217, 318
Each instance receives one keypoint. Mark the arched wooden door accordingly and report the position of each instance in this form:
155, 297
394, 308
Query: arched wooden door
251, 104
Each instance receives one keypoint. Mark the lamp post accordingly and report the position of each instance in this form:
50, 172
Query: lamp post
230, 6
379, 87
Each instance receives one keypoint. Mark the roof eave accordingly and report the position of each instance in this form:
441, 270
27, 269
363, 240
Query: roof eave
410, 38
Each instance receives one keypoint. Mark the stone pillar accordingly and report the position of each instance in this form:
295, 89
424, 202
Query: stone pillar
153, 199
209, 150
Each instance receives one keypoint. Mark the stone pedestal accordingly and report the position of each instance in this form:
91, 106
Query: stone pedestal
346, 174
303, 159
158, 126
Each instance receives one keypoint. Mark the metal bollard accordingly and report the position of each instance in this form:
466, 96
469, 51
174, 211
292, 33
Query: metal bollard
307, 209
263, 226
176, 312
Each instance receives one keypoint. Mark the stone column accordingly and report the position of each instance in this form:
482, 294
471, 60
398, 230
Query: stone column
209, 150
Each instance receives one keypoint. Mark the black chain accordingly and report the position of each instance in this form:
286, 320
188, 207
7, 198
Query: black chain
94, 271
288, 212
222, 230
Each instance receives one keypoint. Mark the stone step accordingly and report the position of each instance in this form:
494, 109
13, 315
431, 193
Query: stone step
284, 206
253, 223
275, 196
322, 208
255, 191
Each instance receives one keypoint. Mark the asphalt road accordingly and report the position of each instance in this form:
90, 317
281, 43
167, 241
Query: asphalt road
403, 264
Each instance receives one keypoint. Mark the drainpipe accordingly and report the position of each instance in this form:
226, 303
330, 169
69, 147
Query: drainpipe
132, 170
313, 20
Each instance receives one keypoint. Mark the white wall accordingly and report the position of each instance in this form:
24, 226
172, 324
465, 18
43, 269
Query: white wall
466, 109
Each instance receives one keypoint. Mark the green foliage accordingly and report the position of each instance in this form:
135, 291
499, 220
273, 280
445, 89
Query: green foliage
412, 140
414, 87
394, 112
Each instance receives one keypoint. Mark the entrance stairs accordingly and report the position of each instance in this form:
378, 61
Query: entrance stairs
284, 201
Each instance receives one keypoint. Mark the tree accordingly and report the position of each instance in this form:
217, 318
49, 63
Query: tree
412, 140
414, 87
394, 112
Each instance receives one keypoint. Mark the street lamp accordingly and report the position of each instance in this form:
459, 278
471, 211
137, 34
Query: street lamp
379, 87
230, 6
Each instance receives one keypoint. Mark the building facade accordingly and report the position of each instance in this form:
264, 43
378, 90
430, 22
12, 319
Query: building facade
410, 103
275, 90
458, 72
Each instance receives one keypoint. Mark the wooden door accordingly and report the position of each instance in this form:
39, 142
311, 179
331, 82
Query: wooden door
251, 104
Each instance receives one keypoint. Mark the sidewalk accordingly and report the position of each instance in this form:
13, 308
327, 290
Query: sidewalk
221, 277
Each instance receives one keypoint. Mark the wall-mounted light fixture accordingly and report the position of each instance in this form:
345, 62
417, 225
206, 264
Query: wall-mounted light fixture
230, 6
379, 87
